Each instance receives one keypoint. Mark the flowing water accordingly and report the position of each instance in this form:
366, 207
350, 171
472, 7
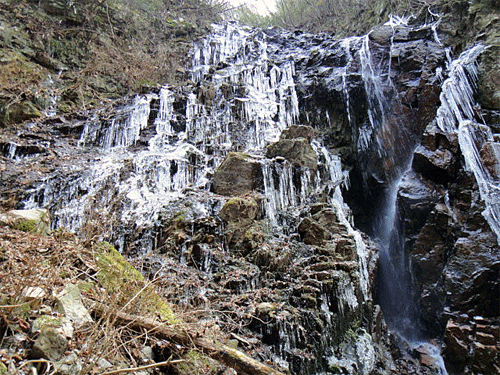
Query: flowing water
455, 116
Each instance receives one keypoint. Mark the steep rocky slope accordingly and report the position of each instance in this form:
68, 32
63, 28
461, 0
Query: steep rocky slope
80, 55
257, 239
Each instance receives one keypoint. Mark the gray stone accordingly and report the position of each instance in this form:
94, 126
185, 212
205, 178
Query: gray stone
69, 303
298, 152
50, 345
35, 221
69, 365
238, 174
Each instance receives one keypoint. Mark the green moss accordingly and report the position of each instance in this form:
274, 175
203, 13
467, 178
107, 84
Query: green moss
3, 369
46, 321
120, 278
25, 225
179, 218
23, 311
197, 363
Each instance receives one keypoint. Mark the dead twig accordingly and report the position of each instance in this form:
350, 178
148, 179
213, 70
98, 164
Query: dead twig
132, 369
242, 363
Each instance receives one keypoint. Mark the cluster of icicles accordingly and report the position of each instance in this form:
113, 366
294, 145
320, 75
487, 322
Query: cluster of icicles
174, 160
457, 115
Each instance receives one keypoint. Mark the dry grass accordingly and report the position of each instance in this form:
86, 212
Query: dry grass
50, 262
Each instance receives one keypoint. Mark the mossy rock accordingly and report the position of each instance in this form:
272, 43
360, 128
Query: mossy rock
197, 363
239, 210
46, 321
19, 73
31, 221
122, 280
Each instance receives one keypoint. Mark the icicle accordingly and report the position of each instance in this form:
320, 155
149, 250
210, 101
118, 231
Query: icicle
457, 95
472, 137
11, 150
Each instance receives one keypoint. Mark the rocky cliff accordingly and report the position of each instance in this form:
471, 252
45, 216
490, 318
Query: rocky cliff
243, 188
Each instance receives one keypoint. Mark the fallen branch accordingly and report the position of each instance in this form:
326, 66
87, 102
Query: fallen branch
133, 369
239, 361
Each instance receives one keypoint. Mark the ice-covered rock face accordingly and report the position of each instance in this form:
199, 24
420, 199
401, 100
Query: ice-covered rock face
281, 117
249, 85
163, 143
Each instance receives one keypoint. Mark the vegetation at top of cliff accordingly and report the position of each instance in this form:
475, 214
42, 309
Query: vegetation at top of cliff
89, 51
347, 17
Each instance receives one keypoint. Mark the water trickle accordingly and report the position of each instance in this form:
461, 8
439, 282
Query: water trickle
374, 86
455, 115
11, 150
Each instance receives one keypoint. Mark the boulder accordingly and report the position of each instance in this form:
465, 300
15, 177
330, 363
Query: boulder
238, 174
298, 152
50, 345
239, 210
69, 303
489, 78
438, 166
34, 221
298, 131
62, 325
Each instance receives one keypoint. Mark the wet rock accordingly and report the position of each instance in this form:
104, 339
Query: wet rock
298, 131
473, 275
438, 165
490, 155
298, 152
416, 199
239, 210
50, 345
489, 78
35, 220
430, 246
470, 349
70, 304
386, 34
238, 174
